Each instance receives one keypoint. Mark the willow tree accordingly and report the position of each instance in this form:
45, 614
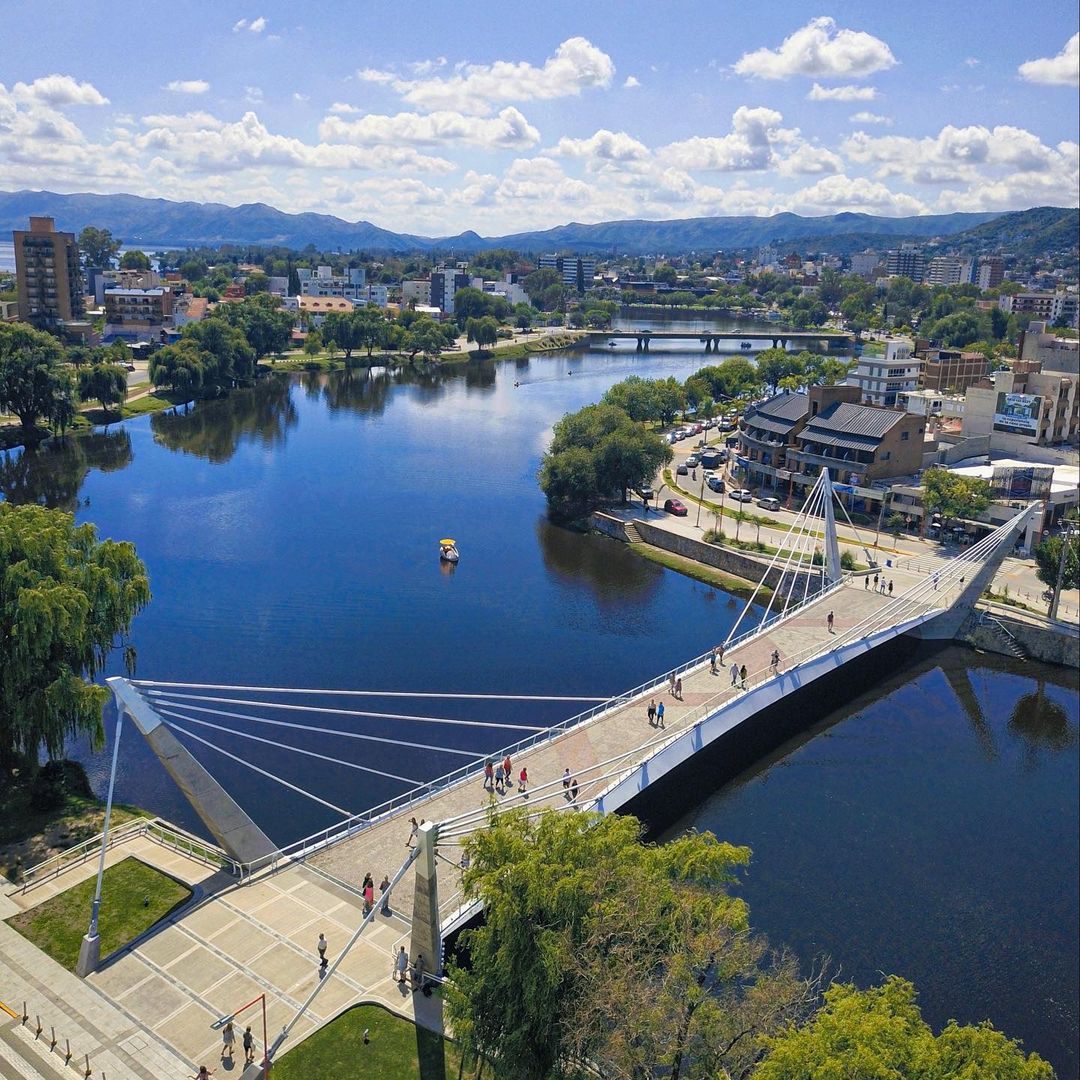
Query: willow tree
67, 600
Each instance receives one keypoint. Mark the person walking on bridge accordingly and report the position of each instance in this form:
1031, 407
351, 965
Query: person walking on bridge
523, 780
499, 778
651, 713
566, 778
829, 622
660, 715
671, 684
489, 776
734, 674
401, 965
414, 829
678, 689
775, 662
712, 661
742, 676
507, 769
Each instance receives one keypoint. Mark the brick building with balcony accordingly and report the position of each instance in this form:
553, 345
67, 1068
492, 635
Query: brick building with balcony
47, 275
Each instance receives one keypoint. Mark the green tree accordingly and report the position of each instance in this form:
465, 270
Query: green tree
958, 329
568, 479
228, 356
952, 495
256, 283
66, 601
180, 367
344, 330
548, 886
34, 384
1048, 561
776, 364
267, 328
880, 1033
313, 343
637, 397
106, 383
134, 260
670, 398
665, 274
98, 247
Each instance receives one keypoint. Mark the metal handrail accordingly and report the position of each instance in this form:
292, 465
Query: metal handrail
317, 841
73, 856
156, 829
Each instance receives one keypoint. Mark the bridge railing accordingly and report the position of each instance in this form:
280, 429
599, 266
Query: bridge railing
309, 845
161, 832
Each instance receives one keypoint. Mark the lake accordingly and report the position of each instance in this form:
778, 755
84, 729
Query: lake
291, 534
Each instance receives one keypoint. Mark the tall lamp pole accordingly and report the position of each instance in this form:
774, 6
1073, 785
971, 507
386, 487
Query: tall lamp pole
1066, 536
90, 949
701, 499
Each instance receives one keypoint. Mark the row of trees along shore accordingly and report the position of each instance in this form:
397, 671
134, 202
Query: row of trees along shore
602, 451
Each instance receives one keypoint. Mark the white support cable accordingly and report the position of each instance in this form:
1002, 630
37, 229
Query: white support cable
286, 746
261, 772
471, 754
805, 545
172, 699
779, 590
364, 693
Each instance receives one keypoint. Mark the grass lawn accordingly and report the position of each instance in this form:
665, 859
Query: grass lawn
396, 1050
57, 926
699, 571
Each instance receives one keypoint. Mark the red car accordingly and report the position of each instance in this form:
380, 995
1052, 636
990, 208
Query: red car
673, 506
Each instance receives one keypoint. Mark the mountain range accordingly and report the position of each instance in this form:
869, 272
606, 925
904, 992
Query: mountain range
160, 223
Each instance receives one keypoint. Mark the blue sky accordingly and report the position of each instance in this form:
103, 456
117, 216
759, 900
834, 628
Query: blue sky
499, 117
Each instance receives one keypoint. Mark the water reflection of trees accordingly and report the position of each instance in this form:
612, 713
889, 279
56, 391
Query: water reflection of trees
358, 390
1041, 722
52, 473
612, 573
214, 429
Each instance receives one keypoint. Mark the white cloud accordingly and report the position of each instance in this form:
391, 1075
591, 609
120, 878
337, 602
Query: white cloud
300, 98
252, 26
604, 145
192, 121
508, 130
807, 160
372, 75
841, 93
58, 91
972, 61
343, 108
865, 117
632, 83
247, 143
253, 95
819, 50
577, 65
750, 146
426, 67
1060, 70
188, 86
836, 194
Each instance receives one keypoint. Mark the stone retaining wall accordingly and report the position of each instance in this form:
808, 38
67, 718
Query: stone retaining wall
1051, 644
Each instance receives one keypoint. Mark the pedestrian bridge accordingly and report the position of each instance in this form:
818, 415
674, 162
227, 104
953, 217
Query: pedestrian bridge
817, 620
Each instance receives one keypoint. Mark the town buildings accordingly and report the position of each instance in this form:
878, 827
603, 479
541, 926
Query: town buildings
1047, 307
577, 271
905, 262
322, 281
949, 369
444, 284
882, 378
1019, 409
138, 314
47, 275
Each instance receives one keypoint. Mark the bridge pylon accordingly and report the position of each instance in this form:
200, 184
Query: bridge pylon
426, 937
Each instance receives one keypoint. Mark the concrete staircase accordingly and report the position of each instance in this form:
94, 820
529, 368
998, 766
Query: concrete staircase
1007, 639
21, 1058
632, 535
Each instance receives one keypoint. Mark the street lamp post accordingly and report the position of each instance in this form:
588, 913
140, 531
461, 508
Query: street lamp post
701, 499
1066, 536
90, 949
656, 497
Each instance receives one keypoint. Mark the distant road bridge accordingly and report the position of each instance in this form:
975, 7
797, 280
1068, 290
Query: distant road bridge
748, 340
815, 621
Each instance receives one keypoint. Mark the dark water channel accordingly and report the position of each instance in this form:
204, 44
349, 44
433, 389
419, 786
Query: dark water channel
291, 534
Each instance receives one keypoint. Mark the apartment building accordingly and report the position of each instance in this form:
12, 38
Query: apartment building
1050, 353
948, 270
577, 271
47, 274
989, 272
905, 262
444, 284
881, 378
138, 314
949, 369
324, 282
416, 292
1047, 307
864, 263
1023, 409
314, 309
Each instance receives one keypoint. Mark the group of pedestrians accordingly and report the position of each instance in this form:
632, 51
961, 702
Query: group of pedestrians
228, 1041
880, 584
675, 686
498, 778
415, 974
655, 713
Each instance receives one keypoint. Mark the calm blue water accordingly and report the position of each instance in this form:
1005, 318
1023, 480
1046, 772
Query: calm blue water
929, 829
291, 534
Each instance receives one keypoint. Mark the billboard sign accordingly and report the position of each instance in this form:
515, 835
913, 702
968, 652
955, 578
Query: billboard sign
1018, 414
1009, 483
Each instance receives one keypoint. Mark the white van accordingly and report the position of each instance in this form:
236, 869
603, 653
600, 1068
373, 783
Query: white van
769, 504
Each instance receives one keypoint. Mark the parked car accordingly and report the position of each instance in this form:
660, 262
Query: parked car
646, 493
742, 495
673, 506
715, 483
769, 503
692, 461
681, 470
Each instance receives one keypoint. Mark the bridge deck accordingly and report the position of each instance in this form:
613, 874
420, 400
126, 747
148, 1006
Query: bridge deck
379, 849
